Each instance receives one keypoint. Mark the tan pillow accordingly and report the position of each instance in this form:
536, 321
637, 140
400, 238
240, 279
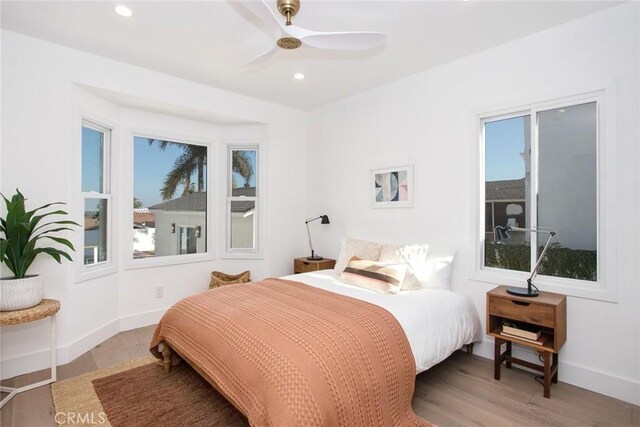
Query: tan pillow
372, 275
414, 257
358, 248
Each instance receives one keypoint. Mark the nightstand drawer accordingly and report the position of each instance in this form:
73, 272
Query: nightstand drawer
305, 266
537, 314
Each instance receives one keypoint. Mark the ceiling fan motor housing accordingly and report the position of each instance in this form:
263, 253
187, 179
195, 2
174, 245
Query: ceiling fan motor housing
288, 8
289, 43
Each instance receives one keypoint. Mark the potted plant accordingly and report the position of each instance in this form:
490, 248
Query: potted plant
20, 231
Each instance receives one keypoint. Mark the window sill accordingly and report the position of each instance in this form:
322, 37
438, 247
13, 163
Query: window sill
243, 255
570, 287
164, 261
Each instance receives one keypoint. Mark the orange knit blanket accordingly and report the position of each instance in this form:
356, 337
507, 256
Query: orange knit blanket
288, 354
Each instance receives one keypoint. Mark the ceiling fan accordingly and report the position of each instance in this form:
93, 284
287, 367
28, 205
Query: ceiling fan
294, 37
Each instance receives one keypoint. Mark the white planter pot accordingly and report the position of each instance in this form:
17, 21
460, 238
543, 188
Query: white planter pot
17, 294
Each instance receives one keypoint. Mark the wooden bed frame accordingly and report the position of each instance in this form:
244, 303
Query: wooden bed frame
170, 358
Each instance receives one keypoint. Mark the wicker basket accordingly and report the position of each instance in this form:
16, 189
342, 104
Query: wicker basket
219, 278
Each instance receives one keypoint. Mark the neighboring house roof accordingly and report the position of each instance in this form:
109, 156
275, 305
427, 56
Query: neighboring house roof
245, 191
242, 206
512, 189
143, 217
194, 202
197, 202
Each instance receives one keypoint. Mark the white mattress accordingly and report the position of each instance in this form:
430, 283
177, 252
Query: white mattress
436, 322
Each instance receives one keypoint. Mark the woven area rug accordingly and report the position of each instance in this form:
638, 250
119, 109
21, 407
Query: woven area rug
138, 393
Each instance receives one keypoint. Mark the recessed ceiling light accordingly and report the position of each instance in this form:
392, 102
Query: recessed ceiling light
298, 76
123, 11
562, 110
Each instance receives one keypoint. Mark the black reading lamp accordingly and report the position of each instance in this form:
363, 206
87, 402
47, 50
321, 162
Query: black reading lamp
501, 233
325, 220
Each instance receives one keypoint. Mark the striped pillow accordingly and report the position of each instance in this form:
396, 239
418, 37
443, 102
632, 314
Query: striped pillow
373, 275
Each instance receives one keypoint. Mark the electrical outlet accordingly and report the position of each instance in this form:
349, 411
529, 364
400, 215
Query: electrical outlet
159, 292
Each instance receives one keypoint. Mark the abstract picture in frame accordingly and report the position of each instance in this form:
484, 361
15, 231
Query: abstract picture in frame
392, 187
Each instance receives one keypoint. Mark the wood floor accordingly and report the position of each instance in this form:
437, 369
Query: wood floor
460, 391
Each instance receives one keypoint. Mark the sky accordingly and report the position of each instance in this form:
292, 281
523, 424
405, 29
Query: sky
150, 166
252, 181
504, 141
91, 160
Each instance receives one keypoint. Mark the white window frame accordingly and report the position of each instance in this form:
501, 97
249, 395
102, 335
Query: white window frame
131, 263
605, 287
92, 271
258, 217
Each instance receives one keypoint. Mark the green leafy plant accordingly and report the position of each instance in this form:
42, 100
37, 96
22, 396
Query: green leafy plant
23, 229
559, 261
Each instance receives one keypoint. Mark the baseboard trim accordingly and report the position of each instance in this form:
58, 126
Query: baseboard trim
41, 359
141, 319
579, 376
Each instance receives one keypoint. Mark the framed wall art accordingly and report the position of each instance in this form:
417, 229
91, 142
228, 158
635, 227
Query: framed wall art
392, 187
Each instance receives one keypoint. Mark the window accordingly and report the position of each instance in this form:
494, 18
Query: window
170, 198
96, 196
540, 170
188, 240
242, 200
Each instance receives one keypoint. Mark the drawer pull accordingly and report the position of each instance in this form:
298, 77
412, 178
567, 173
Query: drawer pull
305, 263
526, 304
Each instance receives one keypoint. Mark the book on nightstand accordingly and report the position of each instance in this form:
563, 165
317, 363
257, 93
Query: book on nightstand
522, 330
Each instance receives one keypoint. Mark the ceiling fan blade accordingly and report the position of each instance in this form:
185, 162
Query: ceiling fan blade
262, 58
350, 40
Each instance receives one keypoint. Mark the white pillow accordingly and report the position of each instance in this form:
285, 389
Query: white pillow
358, 248
414, 257
439, 268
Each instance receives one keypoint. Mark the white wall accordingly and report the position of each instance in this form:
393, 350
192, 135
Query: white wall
41, 105
426, 120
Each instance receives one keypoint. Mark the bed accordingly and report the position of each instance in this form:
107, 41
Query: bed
437, 322
310, 350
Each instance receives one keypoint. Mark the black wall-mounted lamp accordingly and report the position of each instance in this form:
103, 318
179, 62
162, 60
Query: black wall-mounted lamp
173, 228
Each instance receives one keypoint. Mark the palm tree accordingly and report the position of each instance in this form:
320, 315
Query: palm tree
241, 164
194, 159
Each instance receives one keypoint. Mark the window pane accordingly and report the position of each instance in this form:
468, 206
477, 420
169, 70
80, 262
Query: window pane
92, 160
507, 187
243, 218
188, 242
243, 172
170, 198
95, 231
567, 199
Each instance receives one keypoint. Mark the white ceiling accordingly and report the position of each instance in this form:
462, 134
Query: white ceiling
210, 41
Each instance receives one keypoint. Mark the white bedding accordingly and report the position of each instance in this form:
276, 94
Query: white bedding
436, 321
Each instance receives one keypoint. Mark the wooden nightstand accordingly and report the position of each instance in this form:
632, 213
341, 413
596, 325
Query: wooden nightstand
304, 265
547, 311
